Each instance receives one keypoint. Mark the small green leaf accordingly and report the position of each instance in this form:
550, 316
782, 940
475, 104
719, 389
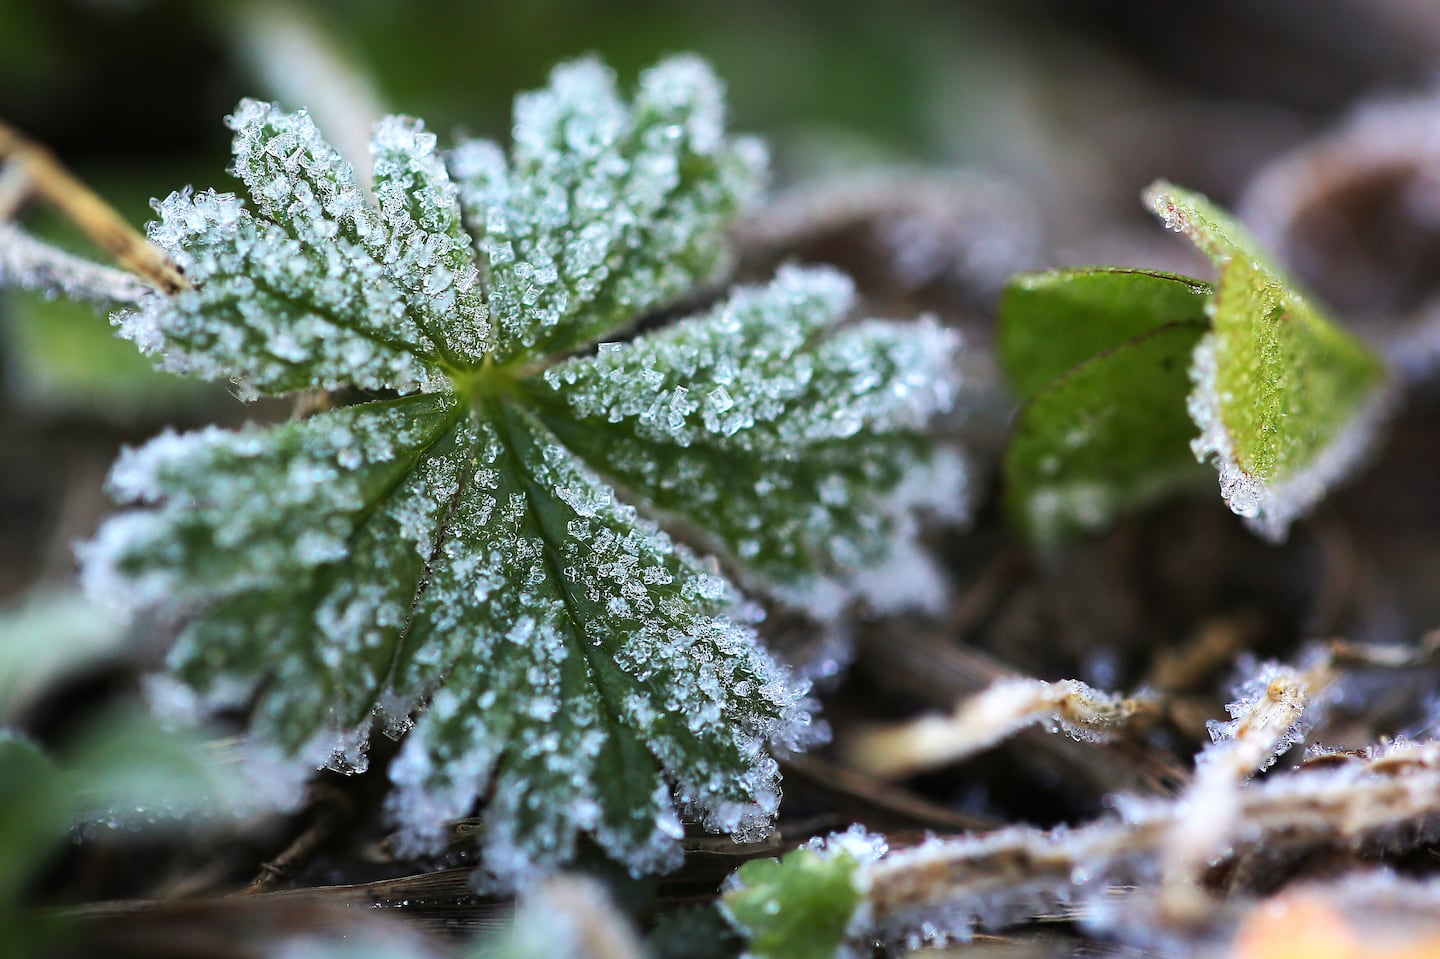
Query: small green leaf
34, 812
77, 633
1287, 402
1111, 435
797, 907
121, 770
1052, 321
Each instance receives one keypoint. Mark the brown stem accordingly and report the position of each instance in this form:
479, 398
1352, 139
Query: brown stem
42, 175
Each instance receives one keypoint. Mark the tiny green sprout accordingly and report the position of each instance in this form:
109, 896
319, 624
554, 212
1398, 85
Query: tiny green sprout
803, 905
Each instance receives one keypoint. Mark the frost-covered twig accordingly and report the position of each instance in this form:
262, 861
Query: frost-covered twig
31, 264
1006, 707
1268, 716
946, 888
46, 178
1275, 707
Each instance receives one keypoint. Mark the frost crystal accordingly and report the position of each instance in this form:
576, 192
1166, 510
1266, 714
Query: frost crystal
453, 561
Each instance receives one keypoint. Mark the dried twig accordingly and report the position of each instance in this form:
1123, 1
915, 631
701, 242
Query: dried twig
994, 715
41, 174
330, 811
882, 796
949, 884
934, 671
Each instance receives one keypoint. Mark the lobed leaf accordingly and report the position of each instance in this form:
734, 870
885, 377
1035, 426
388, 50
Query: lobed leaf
782, 435
454, 560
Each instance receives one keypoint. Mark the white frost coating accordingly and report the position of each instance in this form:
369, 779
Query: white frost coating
1269, 507
30, 264
981, 721
423, 245
609, 210
594, 636
1272, 711
943, 889
797, 443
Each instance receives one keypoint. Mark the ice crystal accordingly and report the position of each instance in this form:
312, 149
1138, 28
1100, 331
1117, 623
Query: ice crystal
454, 558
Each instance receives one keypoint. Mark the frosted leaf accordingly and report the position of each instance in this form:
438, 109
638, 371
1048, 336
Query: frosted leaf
275, 309
302, 546
607, 211
449, 566
795, 443
425, 246
1287, 402
586, 654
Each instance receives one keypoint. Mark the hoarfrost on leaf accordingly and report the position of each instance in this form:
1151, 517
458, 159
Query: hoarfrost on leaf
796, 444
452, 562
1287, 402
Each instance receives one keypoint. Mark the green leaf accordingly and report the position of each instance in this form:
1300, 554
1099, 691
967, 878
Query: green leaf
122, 770
34, 813
788, 462
1287, 402
605, 212
1111, 435
47, 636
801, 906
1100, 357
453, 559
1050, 322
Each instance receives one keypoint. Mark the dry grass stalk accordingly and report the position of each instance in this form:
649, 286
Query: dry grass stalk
41, 175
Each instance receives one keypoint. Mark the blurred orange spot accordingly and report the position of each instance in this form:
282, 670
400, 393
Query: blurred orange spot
1296, 926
